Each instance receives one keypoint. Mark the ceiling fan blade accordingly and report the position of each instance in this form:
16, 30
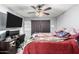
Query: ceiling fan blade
47, 8
46, 13
33, 7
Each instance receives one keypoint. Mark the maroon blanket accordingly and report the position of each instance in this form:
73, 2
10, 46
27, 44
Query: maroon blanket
64, 47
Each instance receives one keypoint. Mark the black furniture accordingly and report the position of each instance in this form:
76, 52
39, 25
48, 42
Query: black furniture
19, 41
11, 33
11, 47
7, 48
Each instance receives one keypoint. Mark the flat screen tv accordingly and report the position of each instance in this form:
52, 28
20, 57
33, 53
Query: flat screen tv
13, 21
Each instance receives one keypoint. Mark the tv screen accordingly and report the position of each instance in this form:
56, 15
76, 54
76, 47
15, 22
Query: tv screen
13, 21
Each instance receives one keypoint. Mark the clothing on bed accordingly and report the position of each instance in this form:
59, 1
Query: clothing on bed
42, 34
60, 42
49, 47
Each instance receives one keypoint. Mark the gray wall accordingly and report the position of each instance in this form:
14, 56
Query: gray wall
70, 19
3, 17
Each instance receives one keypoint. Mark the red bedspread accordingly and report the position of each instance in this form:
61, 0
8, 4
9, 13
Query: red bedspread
64, 47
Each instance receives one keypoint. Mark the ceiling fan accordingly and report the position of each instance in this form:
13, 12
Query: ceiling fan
39, 11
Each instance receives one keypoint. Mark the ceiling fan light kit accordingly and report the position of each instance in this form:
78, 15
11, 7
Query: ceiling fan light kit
39, 14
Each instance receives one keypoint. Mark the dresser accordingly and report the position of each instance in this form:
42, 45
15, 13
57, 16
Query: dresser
7, 47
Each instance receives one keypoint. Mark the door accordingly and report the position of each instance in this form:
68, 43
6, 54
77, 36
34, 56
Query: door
40, 26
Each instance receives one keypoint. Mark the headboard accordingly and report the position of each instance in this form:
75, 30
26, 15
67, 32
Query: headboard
11, 33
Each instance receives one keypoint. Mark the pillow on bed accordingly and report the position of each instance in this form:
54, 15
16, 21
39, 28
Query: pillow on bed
62, 34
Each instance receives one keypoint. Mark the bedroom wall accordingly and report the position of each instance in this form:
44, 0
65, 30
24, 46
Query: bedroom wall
2, 22
2, 18
69, 19
4, 10
27, 23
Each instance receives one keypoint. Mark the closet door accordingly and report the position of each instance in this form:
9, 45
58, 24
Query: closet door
40, 26
35, 26
45, 26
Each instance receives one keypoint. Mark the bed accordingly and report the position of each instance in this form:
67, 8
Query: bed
47, 46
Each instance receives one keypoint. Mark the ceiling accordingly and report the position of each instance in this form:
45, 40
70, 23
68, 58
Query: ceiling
23, 9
